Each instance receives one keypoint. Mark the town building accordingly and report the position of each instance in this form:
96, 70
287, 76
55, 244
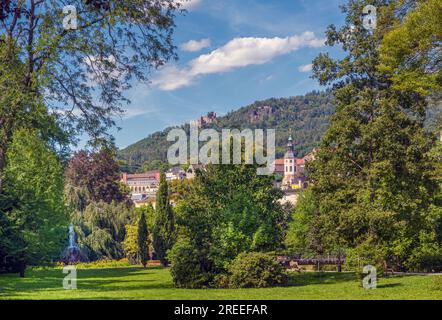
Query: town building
279, 166
292, 168
143, 186
175, 173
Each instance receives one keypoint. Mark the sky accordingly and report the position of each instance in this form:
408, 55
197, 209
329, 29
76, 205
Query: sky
231, 53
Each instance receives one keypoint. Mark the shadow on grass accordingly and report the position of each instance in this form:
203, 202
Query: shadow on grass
101, 280
389, 285
309, 278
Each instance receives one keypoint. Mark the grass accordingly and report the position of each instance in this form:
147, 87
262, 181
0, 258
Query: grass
129, 282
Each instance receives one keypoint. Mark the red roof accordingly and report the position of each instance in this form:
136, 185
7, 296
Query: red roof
154, 174
279, 161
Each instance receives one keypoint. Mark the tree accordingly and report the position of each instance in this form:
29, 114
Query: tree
371, 174
130, 244
20, 109
86, 70
100, 229
228, 209
304, 236
411, 52
33, 214
94, 176
164, 228
142, 239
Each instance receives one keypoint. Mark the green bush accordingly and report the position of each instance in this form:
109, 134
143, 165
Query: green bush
188, 268
363, 255
256, 270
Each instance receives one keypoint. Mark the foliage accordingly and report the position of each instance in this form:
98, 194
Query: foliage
101, 229
164, 227
85, 71
21, 108
367, 253
256, 270
33, 215
229, 209
411, 51
306, 115
188, 269
154, 165
93, 176
179, 189
371, 177
142, 240
115, 281
303, 236
130, 243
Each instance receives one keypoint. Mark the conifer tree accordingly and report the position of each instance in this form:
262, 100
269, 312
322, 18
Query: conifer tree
164, 227
142, 238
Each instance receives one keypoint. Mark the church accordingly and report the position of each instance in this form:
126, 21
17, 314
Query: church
292, 168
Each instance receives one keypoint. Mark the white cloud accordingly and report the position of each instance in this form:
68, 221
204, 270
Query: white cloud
305, 68
237, 53
195, 45
171, 78
134, 112
188, 4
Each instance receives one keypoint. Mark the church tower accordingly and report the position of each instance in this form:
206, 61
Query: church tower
289, 164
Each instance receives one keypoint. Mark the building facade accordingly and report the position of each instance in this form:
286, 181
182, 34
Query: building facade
143, 186
292, 168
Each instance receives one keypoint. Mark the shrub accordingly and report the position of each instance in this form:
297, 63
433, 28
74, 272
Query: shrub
188, 268
221, 281
427, 256
363, 255
256, 270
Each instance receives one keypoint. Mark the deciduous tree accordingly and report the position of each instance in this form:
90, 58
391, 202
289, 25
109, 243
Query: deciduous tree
33, 214
371, 174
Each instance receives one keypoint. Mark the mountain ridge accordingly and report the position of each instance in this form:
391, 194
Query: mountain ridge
305, 116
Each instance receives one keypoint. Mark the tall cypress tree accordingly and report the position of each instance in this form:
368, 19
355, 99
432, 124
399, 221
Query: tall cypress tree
142, 238
164, 228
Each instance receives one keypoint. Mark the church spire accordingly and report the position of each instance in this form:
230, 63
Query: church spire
290, 150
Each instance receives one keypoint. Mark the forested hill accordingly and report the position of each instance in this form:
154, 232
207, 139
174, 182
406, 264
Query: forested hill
306, 116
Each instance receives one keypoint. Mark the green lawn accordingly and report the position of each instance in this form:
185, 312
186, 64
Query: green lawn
155, 283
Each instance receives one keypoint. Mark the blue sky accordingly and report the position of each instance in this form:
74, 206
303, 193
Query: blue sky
231, 53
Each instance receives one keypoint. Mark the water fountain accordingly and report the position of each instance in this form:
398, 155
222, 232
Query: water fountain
72, 253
